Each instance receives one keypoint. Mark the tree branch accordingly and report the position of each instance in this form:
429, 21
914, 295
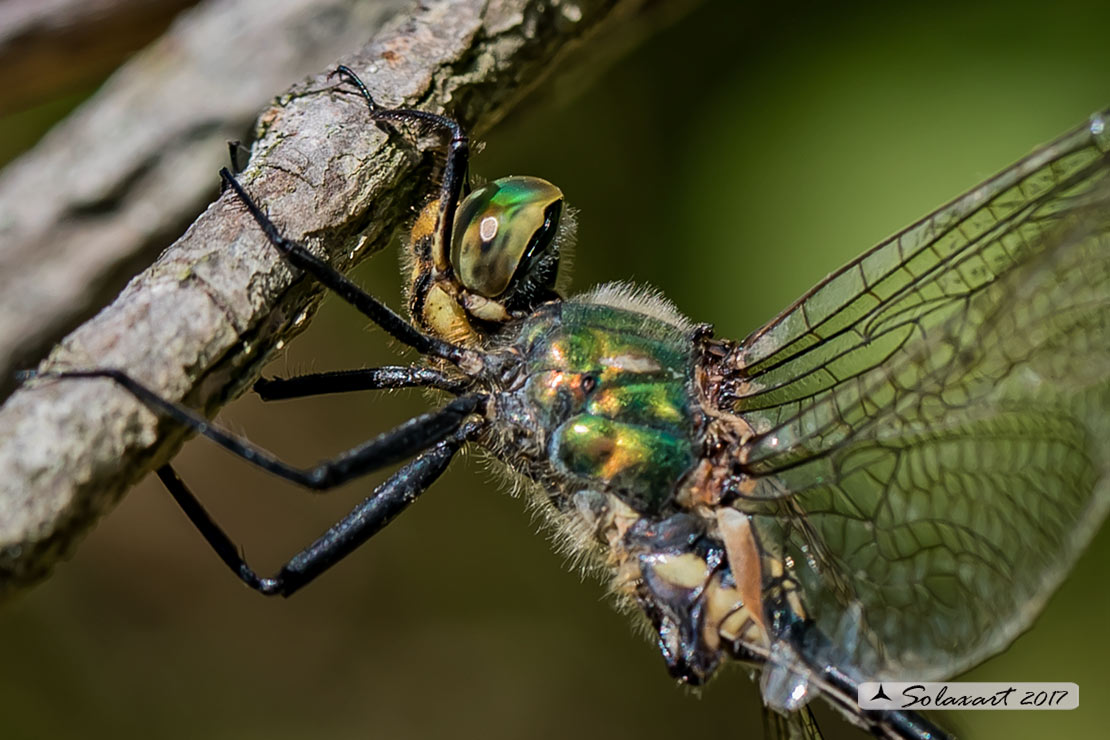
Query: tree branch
199, 323
106, 190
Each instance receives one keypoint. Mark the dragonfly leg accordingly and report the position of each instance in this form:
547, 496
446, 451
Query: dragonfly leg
452, 182
234, 147
382, 315
363, 522
400, 443
454, 176
367, 379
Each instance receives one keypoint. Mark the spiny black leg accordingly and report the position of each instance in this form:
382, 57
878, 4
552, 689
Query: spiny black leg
372, 515
458, 148
203, 521
371, 307
401, 442
364, 521
233, 149
344, 381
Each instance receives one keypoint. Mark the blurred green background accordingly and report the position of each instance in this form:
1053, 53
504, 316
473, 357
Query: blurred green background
732, 160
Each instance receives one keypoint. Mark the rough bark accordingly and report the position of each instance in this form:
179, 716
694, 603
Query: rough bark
121, 178
198, 324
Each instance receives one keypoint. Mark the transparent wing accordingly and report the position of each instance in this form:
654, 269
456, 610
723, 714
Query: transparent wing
933, 420
798, 725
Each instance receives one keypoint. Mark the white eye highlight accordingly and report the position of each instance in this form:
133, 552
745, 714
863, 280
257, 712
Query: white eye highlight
488, 228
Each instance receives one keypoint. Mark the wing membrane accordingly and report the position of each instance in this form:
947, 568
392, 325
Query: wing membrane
857, 341
932, 420
798, 725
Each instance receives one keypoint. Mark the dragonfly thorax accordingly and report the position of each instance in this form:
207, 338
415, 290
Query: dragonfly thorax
607, 392
604, 412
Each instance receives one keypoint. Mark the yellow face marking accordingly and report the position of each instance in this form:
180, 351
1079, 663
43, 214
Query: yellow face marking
425, 227
425, 223
484, 308
445, 317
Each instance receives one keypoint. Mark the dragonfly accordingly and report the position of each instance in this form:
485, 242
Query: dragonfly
885, 482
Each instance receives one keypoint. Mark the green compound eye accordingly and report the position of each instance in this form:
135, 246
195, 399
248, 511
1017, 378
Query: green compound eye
503, 237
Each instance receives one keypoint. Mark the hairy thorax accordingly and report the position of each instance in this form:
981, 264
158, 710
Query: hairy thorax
604, 409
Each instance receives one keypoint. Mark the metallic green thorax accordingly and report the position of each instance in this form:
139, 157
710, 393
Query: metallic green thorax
614, 385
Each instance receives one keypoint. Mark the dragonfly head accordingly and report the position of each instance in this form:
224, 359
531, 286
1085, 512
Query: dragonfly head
504, 246
507, 254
